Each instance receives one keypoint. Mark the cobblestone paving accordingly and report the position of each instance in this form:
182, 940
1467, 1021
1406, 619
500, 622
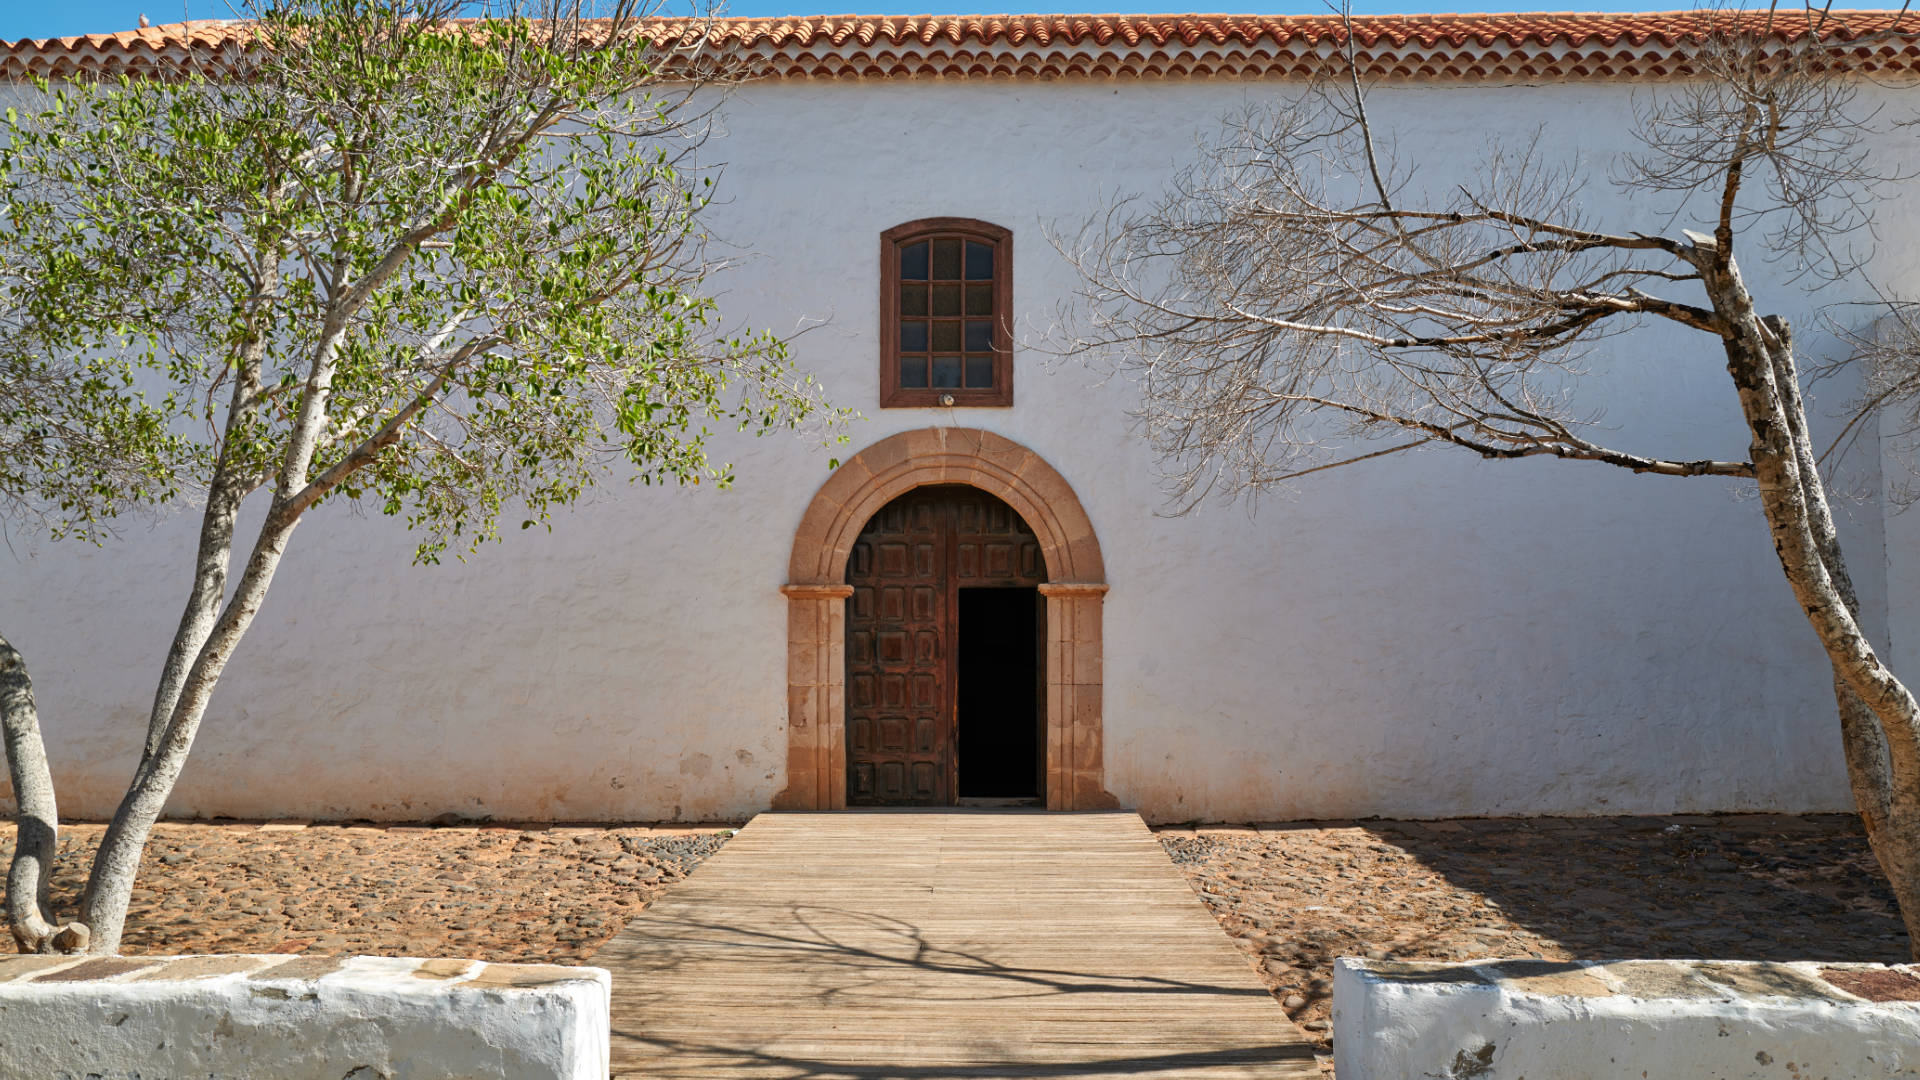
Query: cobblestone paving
1295, 896
535, 894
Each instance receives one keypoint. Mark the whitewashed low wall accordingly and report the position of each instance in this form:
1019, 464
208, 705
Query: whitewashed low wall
301, 1018
1723, 1020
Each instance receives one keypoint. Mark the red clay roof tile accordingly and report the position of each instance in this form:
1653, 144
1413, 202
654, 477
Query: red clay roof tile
1453, 47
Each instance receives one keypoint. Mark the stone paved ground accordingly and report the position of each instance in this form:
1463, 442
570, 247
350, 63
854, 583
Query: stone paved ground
1759, 887
495, 893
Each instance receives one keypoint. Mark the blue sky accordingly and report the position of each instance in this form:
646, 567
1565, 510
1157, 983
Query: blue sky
57, 18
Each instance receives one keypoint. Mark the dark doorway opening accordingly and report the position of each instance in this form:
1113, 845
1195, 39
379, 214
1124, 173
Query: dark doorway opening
998, 701
906, 640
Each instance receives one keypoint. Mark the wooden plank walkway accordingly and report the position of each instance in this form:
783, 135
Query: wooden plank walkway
924, 945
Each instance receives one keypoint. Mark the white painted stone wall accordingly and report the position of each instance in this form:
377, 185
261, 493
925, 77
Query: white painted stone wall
1647, 1018
301, 1018
1425, 636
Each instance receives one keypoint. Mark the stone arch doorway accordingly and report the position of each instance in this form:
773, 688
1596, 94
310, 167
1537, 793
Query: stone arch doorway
817, 593
943, 653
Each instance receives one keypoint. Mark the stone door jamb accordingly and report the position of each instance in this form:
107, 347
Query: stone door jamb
816, 592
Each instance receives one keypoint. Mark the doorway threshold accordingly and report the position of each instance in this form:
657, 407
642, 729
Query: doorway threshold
989, 802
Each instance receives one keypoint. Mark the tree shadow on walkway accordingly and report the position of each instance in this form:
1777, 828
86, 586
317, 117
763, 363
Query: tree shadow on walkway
824, 991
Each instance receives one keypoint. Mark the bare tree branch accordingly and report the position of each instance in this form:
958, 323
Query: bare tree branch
1287, 299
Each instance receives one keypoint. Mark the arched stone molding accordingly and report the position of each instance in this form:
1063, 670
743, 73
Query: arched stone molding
816, 592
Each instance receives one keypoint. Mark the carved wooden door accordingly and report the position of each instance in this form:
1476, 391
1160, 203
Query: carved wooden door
906, 569
899, 728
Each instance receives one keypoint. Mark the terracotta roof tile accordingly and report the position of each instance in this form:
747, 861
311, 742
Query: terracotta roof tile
1454, 47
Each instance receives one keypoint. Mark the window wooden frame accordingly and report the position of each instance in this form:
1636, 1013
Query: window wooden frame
892, 394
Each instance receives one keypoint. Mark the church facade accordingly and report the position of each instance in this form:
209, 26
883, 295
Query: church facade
981, 597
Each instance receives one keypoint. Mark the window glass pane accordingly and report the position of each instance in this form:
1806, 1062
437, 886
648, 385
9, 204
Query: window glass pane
948, 315
913, 262
946, 260
979, 261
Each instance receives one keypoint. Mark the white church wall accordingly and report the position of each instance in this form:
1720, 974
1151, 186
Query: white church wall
1424, 636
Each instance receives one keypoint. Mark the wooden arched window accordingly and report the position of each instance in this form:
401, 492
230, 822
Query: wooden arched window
946, 319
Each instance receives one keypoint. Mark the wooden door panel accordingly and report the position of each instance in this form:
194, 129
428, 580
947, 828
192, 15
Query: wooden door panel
906, 569
893, 735
928, 783
899, 603
999, 559
893, 560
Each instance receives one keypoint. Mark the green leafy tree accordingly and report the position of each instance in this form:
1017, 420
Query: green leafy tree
77, 448
448, 268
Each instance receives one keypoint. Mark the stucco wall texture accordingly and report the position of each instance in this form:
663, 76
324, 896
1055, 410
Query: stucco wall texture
1429, 635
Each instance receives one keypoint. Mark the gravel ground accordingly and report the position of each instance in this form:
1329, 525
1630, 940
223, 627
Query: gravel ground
534, 894
1295, 896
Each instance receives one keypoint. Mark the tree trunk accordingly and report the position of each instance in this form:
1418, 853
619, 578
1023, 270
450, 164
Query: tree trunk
1880, 734
35, 844
226, 491
103, 906
1879, 717
117, 861
1893, 833
202, 611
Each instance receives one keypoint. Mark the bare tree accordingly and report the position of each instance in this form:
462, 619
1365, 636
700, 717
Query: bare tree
1296, 295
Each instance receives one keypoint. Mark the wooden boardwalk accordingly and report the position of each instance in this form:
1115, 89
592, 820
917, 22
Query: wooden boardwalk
923, 945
